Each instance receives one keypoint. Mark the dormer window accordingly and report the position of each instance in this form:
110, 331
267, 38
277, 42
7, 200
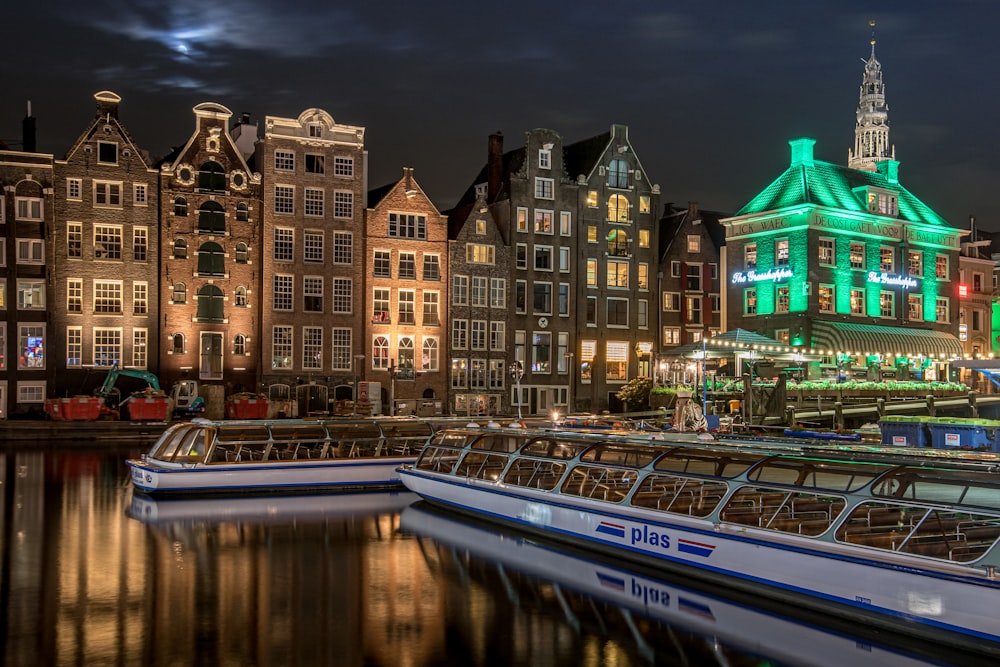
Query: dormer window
882, 202
545, 159
315, 130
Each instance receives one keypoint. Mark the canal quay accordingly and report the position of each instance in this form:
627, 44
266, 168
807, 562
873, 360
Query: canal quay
95, 574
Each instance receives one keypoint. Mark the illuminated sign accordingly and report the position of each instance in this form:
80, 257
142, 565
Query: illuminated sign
751, 276
887, 279
963, 291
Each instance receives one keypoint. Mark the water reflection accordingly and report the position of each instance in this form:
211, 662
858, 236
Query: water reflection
92, 575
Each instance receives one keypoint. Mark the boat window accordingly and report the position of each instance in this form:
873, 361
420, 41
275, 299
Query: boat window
551, 448
622, 455
784, 510
192, 449
940, 486
498, 443
481, 465
541, 474
168, 442
243, 433
408, 430
179, 441
680, 495
285, 433
454, 438
817, 473
937, 533
438, 459
712, 463
600, 482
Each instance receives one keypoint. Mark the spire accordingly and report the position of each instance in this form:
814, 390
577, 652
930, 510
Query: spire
871, 132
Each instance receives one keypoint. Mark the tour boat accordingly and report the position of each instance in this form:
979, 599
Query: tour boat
666, 617
901, 542
280, 456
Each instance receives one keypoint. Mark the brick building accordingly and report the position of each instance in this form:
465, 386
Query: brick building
313, 270
210, 272
105, 256
407, 260
479, 307
27, 360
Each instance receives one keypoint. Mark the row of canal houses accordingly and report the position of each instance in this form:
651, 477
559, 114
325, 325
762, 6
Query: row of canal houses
252, 258
259, 259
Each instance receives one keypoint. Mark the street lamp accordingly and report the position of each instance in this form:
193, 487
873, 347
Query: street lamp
358, 360
517, 372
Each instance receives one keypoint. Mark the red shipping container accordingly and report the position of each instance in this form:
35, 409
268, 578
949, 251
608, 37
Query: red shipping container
148, 409
82, 408
246, 408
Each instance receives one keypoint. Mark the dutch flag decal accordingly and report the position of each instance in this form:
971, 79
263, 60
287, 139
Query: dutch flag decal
616, 584
612, 529
695, 548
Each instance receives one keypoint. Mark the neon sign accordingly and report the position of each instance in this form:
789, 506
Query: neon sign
887, 279
751, 276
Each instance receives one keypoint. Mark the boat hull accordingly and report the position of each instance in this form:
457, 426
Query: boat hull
267, 477
957, 603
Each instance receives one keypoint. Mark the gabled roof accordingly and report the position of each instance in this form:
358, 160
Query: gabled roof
676, 218
582, 156
809, 181
376, 195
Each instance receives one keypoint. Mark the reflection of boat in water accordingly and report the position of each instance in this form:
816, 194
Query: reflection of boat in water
282, 456
600, 597
266, 508
902, 543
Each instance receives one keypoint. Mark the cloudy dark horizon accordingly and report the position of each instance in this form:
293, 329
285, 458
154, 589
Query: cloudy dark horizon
711, 92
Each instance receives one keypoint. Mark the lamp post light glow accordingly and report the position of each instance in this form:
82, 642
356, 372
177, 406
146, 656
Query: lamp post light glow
517, 372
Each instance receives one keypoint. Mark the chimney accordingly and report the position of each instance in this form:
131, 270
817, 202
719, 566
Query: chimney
494, 166
889, 169
28, 132
802, 151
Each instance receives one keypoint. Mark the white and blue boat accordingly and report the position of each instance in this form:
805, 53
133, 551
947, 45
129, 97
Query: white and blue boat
901, 542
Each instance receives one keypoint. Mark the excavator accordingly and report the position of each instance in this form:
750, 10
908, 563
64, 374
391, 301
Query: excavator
184, 395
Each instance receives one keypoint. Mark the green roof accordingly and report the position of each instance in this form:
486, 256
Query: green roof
813, 182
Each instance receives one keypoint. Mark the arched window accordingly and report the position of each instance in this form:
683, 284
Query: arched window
210, 304
180, 249
242, 212
212, 176
239, 344
405, 356
618, 209
177, 343
241, 297
618, 174
429, 356
180, 293
180, 206
380, 352
617, 243
211, 218
211, 259
241, 253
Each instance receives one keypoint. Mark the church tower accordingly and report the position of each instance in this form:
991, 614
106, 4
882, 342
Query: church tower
871, 133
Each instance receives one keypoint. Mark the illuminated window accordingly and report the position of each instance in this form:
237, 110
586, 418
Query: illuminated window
31, 295
915, 307
643, 238
429, 354
617, 243
671, 336
522, 219
941, 267
643, 280
543, 222
914, 263
781, 298
750, 256
750, 301
618, 209
857, 255
693, 309
857, 302
107, 346
541, 352
644, 204
942, 310
826, 299
617, 361
782, 336
592, 199
781, 252
281, 344
617, 274
671, 302
591, 273
591, 234
477, 253
694, 243
885, 262
887, 304
826, 252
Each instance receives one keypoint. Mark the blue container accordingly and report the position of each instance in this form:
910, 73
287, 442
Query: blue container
904, 432
978, 434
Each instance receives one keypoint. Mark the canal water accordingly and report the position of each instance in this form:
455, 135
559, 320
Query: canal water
92, 575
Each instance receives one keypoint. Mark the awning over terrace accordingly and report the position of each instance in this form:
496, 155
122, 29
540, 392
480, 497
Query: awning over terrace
869, 339
727, 343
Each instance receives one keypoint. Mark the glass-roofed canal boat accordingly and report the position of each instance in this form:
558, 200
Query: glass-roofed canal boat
282, 456
899, 541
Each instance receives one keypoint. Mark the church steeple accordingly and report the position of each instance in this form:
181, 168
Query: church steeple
871, 132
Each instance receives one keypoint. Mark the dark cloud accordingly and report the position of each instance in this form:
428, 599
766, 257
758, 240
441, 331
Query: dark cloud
712, 91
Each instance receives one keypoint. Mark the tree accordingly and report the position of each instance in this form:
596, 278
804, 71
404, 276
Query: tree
635, 393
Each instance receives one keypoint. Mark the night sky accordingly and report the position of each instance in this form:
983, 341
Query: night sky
711, 91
